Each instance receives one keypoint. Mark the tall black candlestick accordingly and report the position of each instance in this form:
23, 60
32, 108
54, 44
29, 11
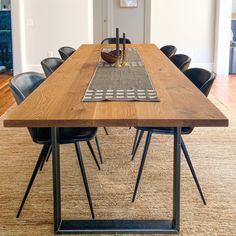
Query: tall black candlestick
124, 41
117, 42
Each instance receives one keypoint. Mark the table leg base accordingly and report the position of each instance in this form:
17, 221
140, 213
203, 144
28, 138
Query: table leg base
117, 226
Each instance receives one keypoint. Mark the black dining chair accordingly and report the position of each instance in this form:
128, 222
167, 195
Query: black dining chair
181, 61
50, 64
169, 50
113, 41
203, 80
22, 86
66, 52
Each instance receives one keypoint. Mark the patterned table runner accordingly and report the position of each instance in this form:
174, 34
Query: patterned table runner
131, 83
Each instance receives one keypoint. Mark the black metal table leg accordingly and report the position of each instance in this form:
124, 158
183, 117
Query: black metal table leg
171, 226
56, 178
176, 178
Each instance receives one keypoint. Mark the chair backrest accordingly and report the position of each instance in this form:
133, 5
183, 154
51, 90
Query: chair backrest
113, 41
202, 79
24, 84
182, 61
50, 64
66, 52
169, 50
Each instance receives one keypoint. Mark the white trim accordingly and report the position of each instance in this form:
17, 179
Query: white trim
147, 21
18, 36
222, 36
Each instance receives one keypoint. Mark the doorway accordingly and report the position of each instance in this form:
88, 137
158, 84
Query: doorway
6, 62
134, 21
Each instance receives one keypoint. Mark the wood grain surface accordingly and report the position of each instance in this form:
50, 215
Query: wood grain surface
58, 101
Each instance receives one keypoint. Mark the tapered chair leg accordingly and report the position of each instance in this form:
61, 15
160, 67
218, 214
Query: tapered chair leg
42, 156
149, 136
106, 130
135, 140
81, 164
49, 153
46, 156
93, 154
137, 145
187, 157
98, 148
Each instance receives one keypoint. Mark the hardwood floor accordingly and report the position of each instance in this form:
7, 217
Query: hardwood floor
6, 98
224, 89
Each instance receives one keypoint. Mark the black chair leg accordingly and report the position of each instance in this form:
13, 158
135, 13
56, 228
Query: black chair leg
49, 153
149, 136
135, 141
106, 130
137, 145
81, 164
46, 157
187, 157
93, 154
42, 156
99, 150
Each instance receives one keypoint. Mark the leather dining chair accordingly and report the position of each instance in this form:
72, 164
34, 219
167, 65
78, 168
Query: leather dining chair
66, 52
169, 50
203, 80
181, 61
22, 86
113, 41
50, 64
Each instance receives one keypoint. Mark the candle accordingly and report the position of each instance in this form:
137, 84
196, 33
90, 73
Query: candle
124, 41
117, 42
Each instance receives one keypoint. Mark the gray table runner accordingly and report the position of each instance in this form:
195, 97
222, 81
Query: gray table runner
131, 83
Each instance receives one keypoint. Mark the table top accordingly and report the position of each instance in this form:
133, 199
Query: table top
58, 101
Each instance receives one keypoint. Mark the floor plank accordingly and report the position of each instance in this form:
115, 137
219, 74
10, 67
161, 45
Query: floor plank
6, 98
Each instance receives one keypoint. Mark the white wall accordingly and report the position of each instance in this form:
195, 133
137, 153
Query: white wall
187, 24
52, 24
18, 36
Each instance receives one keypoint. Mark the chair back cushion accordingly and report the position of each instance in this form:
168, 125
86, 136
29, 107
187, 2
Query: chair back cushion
113, 41
66, 52
201, 78
24, 84
50, 64
169, 50
182, 61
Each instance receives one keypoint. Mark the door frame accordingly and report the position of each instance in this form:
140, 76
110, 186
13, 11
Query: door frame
147, 19
222, 36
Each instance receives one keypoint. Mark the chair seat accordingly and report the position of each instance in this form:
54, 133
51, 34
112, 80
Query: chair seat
163, 130
67, 135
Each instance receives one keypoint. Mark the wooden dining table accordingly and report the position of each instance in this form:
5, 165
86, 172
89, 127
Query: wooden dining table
58, 103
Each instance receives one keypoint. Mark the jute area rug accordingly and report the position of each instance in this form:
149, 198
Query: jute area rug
212, 150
